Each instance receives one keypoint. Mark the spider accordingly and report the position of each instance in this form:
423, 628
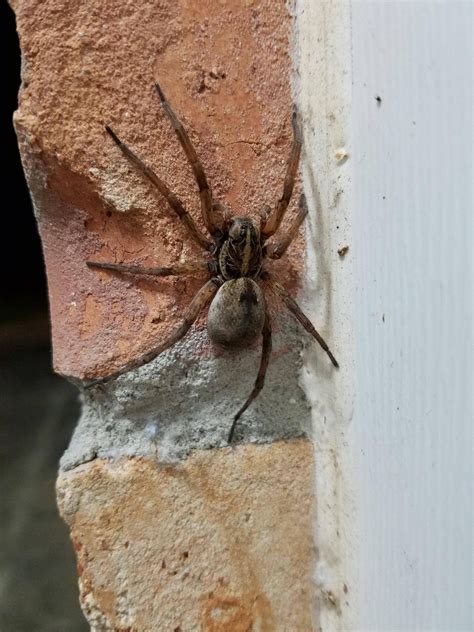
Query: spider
236, 252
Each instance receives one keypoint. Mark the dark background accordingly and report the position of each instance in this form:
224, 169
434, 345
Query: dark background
38, 410
23, 278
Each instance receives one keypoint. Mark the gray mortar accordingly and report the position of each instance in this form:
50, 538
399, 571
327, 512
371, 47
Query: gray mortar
182, 401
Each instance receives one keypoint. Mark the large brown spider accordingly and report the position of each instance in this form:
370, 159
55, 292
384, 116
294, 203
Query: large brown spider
238, 312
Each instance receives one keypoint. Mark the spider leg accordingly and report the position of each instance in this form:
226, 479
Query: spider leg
263, 212
295, 309
281, 246
276, 217
200, 300
162, 187
173, 270
205, 193
259, 382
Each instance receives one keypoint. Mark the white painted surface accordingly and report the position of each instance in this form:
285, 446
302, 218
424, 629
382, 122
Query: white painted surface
412, 170
323, 92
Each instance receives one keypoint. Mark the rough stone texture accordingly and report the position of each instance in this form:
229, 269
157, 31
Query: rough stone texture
221, 542
169, 536
225, 69
179, 403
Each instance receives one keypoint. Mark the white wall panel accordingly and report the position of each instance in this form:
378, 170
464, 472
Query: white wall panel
412, 227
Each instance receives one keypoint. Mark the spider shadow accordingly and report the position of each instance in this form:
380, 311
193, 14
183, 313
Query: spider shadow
323, 284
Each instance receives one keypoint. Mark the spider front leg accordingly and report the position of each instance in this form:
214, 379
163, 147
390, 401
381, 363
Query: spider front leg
264, 211
176, 269
259, 382
274, 221
295, 309
205, 193
200, 300
285, 240
162, 187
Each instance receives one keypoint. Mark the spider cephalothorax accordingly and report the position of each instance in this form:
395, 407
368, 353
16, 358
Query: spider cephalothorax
241, 253
235, 254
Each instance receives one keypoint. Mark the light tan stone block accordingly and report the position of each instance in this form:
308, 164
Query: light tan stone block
221, 542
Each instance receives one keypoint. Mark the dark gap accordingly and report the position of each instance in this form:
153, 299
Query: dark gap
38, 409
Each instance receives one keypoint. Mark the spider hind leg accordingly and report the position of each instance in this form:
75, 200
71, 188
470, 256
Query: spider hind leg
259, 382
297, 312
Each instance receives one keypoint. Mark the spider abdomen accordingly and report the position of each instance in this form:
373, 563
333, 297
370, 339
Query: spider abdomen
237, 313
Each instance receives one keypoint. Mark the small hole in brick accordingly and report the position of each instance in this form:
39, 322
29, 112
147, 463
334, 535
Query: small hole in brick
163, 564
126, 544
185, 555
109, 213
178, 629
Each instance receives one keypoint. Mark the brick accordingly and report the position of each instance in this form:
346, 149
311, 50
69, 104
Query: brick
225, 69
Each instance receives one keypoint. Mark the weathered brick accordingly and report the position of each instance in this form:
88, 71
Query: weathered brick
225, 69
